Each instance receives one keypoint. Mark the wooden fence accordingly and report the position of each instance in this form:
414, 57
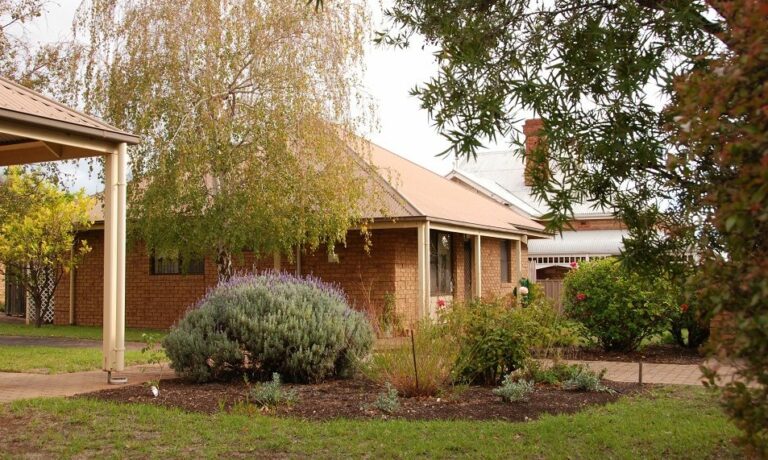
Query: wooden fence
553, 289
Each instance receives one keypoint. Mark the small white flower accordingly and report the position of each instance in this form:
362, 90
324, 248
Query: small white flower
678, 119
155, 391
523, 290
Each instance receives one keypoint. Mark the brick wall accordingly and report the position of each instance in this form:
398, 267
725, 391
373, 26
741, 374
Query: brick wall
157, 301
492, 285
154, 301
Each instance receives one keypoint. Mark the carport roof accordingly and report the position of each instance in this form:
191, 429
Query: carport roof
19, 104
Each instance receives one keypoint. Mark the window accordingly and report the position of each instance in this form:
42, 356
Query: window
506, 250
440, 263
175, 266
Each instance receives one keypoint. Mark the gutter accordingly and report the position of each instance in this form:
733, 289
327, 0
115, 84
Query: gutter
69, 128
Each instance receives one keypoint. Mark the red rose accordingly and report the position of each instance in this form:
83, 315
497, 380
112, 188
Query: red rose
581, 297
574, 264
440, 303
684, 307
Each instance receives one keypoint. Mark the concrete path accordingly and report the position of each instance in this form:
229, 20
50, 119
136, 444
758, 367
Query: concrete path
15, 386
62, 342
670, 374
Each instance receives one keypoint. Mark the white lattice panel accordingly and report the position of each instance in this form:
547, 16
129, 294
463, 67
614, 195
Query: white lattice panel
48, 292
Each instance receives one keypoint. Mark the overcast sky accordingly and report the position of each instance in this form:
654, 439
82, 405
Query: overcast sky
403, 127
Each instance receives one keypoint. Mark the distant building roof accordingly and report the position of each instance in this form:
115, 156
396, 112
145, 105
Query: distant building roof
503, 170
572, 243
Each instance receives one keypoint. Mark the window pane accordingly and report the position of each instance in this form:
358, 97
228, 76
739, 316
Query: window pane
504, 258
440, 263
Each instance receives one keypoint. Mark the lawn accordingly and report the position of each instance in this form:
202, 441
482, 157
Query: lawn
73, 332
57, 360
681, 422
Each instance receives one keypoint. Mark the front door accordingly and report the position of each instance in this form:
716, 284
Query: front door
468, 268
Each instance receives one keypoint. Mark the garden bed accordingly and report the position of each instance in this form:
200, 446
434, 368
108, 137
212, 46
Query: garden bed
660, 354
355, 398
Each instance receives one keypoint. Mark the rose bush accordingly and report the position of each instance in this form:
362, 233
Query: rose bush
617, 308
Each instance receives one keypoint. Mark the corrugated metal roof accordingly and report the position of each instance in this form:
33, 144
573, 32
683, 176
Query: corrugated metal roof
578, 243
22, 100
507, 170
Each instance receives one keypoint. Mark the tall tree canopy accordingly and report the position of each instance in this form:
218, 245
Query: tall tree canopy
245, 110
22, 57
653, 108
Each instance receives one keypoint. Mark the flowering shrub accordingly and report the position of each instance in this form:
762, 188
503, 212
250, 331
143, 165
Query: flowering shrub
618, 308
301, 328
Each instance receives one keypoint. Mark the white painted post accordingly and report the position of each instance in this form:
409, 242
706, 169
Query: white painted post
519, 251
422, 263
477, 263
110, 261
122, 164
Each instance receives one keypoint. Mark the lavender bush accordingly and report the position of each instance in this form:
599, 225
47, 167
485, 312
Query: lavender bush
252, 325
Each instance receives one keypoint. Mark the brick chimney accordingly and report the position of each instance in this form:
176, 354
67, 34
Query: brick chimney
531, 130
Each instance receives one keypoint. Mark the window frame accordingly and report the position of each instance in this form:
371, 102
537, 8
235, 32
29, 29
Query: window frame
441, 264
505, 261
196, 266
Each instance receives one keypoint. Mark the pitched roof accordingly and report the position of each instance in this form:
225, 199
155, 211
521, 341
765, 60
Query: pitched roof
19, 103
423, 193
495, 191
410, 191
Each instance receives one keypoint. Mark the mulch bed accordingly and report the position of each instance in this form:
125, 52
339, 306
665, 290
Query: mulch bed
354, 399
661, 354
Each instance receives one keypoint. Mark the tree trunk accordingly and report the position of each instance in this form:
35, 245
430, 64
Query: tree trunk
224, 264
38, 306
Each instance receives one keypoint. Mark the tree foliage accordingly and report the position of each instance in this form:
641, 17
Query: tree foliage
23, 58
37, 233
245, 111
722, 129
653, 108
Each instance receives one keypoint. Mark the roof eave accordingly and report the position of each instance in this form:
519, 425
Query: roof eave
43, 122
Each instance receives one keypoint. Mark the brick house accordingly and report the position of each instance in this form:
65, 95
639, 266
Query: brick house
434, 240
505, 177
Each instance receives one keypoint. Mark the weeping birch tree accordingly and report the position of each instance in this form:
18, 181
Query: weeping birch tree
246, 110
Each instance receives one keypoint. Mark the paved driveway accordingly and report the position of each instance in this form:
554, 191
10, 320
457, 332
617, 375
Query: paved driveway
59, 342
15, 386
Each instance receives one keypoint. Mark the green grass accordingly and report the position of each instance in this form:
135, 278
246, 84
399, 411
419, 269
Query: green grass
682, 422
73, 332
58, 360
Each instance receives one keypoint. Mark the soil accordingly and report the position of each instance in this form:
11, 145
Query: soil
661, 354
355, 398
